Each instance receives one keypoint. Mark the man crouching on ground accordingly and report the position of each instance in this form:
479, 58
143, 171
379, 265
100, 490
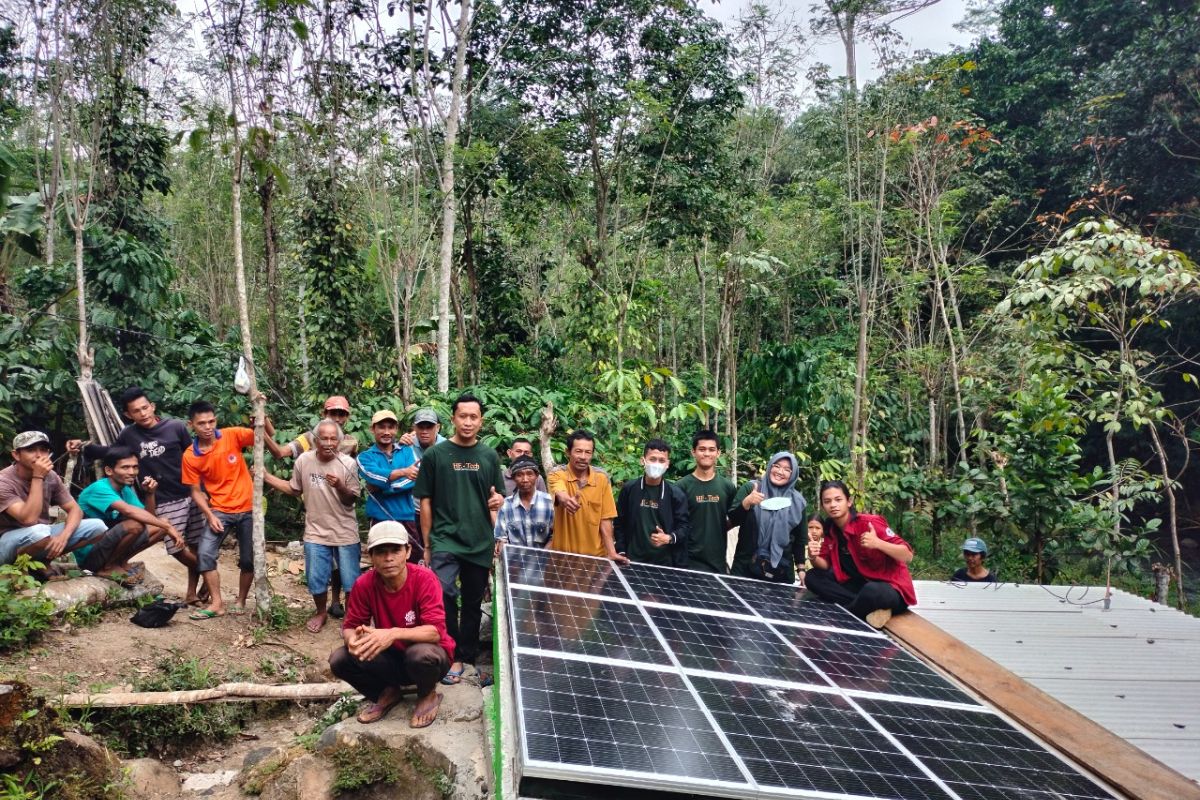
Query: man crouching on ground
395, 630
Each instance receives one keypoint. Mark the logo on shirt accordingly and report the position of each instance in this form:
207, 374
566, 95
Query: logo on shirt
465, 466
316, 479
232, 457
707, 498
648, 503
410, 618
152, 449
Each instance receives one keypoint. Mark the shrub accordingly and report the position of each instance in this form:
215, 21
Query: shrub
23, 617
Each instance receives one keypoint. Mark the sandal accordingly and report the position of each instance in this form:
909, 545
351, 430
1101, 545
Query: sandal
204, 613
376, 711
452, 677
415, 722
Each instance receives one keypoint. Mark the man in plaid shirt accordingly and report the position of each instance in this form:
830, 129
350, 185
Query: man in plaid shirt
527, 516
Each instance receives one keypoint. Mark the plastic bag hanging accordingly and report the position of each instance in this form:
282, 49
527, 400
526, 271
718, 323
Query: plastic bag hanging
241, 378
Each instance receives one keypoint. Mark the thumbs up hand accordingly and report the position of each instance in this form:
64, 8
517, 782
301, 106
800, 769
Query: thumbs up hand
870, 539
754, 498
495, 500
660, 537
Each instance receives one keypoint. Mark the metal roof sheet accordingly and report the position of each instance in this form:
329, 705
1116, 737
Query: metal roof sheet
1133, 668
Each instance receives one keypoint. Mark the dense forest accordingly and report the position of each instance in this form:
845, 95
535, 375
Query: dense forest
966, 285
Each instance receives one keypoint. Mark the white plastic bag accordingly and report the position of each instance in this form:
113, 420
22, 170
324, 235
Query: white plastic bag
241, 379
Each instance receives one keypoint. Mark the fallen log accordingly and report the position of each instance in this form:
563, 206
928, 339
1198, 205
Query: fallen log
225, 692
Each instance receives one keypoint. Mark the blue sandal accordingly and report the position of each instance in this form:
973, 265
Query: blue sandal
453, 677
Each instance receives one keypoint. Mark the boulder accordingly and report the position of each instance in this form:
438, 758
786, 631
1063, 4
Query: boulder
308, 777
98, 591
150, 779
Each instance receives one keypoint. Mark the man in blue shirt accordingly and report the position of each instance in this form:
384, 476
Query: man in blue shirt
527, 516
388, 472
134, 527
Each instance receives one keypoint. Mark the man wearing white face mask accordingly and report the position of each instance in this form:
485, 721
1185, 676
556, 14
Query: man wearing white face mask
652, 513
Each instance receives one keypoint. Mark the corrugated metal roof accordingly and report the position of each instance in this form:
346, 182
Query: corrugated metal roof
1133, 668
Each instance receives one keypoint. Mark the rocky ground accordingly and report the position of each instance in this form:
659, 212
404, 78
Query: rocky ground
279, 751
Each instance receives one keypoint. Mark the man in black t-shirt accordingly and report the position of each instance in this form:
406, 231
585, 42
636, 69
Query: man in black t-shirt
159, 444
652, 523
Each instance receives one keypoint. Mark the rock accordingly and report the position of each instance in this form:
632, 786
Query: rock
98, 591
295, 550
151, 779
259, 755
307, 778
205, 781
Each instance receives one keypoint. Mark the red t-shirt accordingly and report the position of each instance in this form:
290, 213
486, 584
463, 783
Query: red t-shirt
873, 564
223, 471
419, 602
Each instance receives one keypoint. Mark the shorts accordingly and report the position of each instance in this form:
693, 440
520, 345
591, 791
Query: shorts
241, 524
319, 562
20, 538
187, 518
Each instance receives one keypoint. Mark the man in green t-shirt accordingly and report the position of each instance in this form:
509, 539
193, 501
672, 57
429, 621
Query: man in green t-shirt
708, 496
460, 487
652, 519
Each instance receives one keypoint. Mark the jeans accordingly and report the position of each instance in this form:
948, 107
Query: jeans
241, 524
319, 560
20, 538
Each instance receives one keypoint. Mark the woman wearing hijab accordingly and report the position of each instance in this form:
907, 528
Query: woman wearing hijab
861, 563
770, 513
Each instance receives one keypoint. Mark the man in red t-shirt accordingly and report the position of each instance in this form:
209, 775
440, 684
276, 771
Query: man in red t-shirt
395, 630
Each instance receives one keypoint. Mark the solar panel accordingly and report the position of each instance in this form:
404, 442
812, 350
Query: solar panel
786, 603
979, 755
651, 678
618, 719
872, 664
588, 627
684, 588
802, 740
550, 569
739, 647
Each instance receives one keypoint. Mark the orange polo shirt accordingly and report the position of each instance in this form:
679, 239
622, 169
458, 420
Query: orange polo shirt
580, 532
222, 471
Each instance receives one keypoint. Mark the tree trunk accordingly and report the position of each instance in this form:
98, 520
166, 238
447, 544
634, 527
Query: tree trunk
84, 350
266, 202
448, 200
1172, 515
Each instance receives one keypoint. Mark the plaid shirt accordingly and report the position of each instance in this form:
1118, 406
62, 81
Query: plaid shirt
527, 528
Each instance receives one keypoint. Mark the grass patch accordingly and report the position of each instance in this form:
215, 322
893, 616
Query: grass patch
138, 730
366, 764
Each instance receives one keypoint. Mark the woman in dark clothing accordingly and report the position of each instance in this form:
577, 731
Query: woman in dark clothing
770, 513
860, 563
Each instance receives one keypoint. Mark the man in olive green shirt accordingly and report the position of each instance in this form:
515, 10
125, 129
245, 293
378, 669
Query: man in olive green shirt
709, 496
460, 487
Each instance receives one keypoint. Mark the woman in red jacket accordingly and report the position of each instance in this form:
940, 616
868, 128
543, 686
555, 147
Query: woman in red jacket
860, 562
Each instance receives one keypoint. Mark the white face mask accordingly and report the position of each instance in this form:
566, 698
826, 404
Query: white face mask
654, 471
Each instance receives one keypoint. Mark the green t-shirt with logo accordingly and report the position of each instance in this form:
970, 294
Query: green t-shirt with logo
708, 507
458, 481
648, 500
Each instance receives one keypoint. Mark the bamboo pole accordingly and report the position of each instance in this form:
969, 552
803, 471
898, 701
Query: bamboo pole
224, 692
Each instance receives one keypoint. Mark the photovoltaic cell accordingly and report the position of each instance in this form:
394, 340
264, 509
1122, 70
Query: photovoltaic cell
688, 589
872, 664
549, 569
590, 714
591, 627
979, 755
787, 603
730, 646
809, 741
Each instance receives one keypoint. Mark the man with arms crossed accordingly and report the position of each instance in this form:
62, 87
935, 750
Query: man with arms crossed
459, 486
395, 630
159, 444
388, 472
583, 503
709, 496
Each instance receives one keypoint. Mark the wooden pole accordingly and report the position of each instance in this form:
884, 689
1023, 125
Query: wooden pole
225, 692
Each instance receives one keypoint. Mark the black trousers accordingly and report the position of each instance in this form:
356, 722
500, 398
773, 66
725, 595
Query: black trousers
860, 598
463, 587
422, 664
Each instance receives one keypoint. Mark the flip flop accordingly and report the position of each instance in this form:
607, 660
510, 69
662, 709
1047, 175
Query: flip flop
453, 677
337, 611
204, 613
376, 711
485, 680
437, 703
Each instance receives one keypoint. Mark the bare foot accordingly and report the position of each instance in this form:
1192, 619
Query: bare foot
426, 710
317, 622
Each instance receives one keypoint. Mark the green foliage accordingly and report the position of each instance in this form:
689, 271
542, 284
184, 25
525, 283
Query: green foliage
23, 617
142, 729
365, 764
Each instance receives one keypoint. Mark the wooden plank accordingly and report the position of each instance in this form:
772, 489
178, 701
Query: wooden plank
1126, 768
225, 692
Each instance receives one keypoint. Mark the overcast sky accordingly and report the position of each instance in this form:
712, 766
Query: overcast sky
929, 29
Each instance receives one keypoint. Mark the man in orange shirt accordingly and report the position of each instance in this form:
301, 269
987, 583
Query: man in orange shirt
223, 491
583, 503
